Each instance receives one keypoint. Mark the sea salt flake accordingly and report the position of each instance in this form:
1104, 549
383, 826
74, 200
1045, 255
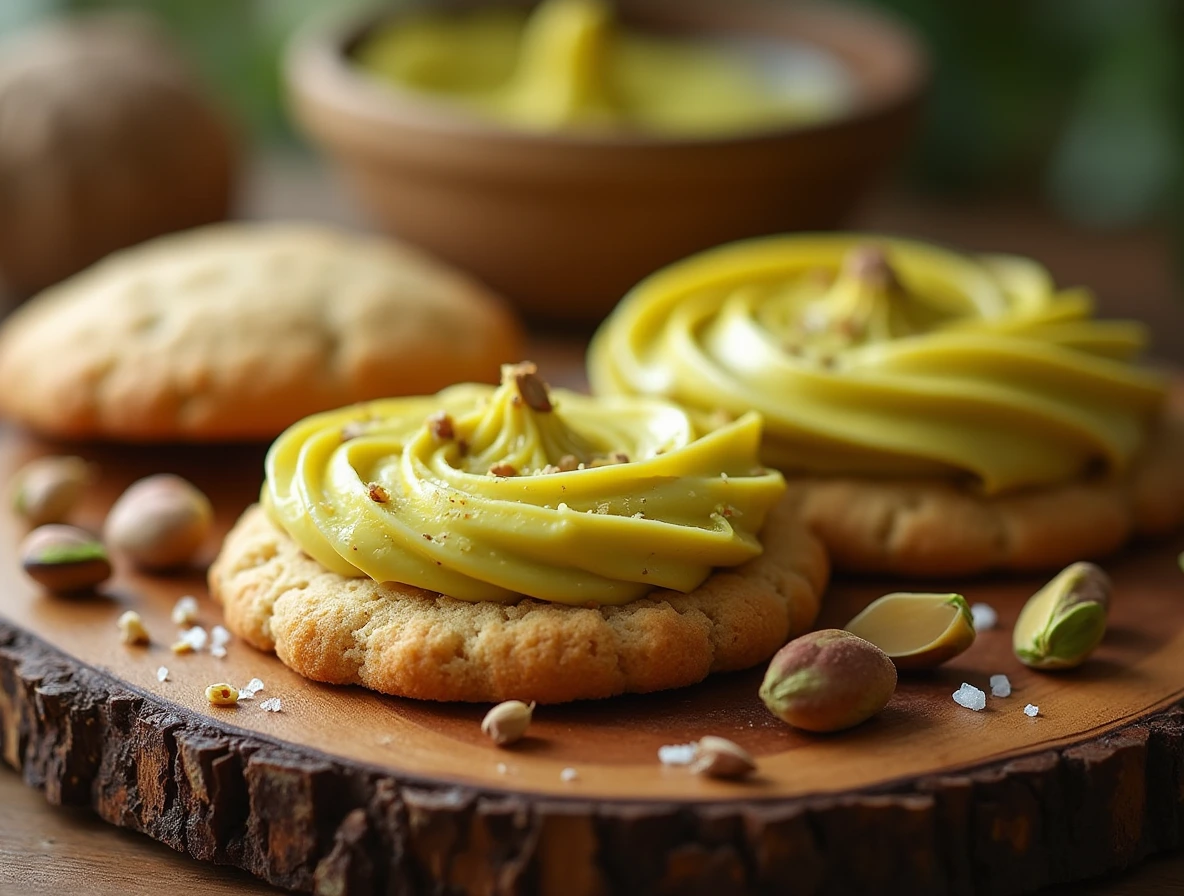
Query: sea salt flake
218, 651
676, 754
271, 705
195, 638
250, 689
185, 610
162, 674
984, 616
219, 636
1000, 686
569, 774
970, 697
1031, 710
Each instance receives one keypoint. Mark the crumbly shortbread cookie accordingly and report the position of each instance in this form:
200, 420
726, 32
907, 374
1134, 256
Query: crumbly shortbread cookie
236, 331
926, 528
408, 642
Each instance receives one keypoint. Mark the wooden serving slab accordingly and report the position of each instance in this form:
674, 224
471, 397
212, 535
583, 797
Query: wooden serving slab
345, 791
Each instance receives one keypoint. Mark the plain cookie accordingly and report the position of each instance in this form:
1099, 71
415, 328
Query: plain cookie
925, 528
235, 331
412, 643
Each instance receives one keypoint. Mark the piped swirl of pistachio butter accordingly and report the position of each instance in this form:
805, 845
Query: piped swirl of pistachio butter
885, 357
485, 493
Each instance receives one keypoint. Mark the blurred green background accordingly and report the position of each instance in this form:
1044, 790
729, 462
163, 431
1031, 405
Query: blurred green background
1079, 102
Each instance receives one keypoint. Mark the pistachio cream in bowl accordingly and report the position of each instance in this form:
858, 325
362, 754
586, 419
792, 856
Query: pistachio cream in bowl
884, 358
561, 150
492, 494
571, 64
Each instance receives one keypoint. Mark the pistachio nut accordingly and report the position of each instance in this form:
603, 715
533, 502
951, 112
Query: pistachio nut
159, 522
917, 631
827, 681
507, 722
47, 490
64, 558
718, 757
1063, 622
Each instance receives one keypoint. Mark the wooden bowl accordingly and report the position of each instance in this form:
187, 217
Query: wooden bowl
564, 223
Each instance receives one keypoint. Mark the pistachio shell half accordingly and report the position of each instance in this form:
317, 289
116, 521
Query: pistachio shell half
1063, 622
917, 631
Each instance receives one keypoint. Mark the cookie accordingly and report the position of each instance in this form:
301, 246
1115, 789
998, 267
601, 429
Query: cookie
934, 413
928, 528
412, 643
235, 331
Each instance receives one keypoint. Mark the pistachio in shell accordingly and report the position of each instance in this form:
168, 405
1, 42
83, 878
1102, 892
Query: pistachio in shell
47, 489
160, 522
1063, 623
827, 681
64, 559
917, 631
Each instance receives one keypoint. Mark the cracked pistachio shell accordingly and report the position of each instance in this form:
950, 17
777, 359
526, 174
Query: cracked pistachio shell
1062, 623
917, 631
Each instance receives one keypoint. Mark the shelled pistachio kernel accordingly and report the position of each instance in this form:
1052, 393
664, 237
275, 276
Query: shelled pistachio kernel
718, 757
47, 490
131, 628
1063, 623
507, 722
64, 559
222, 694
917, 631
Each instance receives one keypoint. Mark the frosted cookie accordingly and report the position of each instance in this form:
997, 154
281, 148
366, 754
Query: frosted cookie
233, 332
485, 544
933, 413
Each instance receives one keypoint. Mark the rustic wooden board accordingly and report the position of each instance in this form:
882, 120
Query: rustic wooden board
352, 792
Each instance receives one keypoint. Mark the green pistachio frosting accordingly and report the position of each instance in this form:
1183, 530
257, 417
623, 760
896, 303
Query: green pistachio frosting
485, 493
884, 357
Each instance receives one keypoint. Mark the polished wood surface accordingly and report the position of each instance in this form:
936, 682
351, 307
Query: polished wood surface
612, 744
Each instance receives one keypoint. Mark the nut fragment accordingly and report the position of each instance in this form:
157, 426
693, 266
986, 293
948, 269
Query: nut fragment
378, 494
1063, 622
47, 490
827, 681
131, 628
718, 757
64, 558
503, 470
159, 522
917, 631
869, 263
531, 386
222, 694
185, 610
507, 722
441, 426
